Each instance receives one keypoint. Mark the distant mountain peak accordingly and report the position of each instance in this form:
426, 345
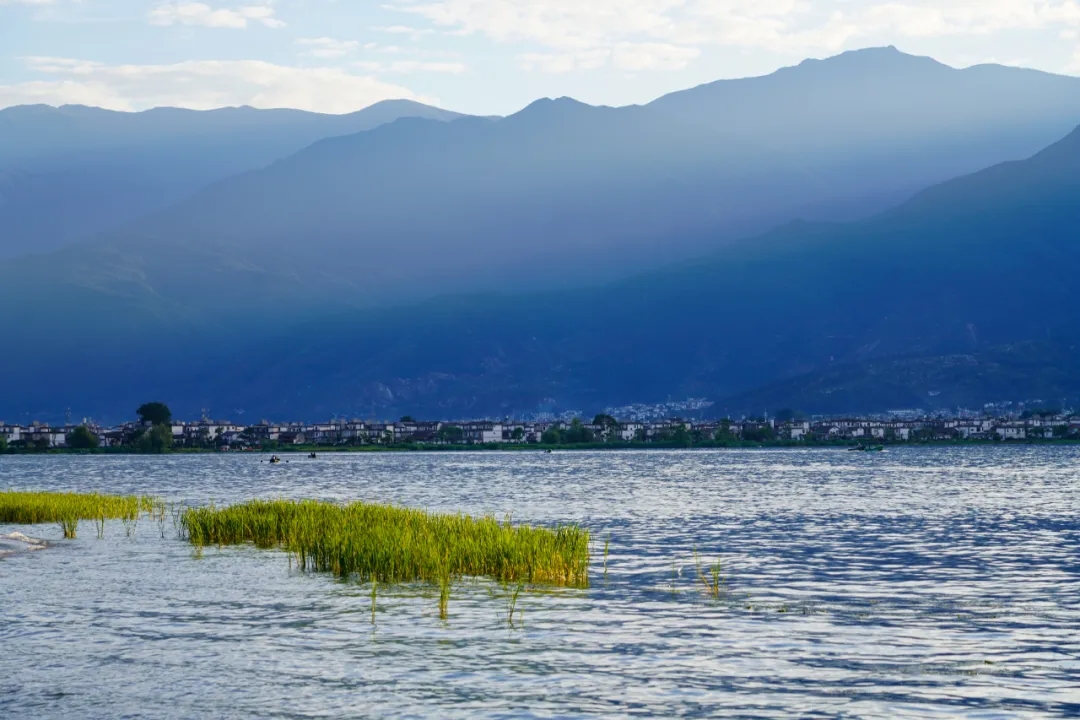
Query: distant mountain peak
548, 109
873, 59
559, 102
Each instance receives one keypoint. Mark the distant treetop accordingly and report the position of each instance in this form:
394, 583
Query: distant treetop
155, 413
605, 420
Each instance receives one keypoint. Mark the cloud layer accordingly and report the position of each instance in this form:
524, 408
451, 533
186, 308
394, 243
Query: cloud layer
206, 16
200, 85
326, 47
667, 34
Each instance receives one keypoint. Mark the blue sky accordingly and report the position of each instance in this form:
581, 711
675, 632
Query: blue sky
480, 56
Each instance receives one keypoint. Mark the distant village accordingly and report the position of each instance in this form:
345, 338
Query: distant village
602, 429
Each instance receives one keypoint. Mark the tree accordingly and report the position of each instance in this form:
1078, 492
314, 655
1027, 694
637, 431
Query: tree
723, 433
552, 436
761, 433
681, 437
788, 415
82, 439
157, 439
517, 434
155, 413
407, 419
451, 434
3, 443
607, 424
577, 433
677, 436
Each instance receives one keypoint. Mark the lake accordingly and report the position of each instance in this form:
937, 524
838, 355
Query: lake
919, 582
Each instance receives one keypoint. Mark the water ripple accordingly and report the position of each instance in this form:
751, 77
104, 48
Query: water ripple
915, 583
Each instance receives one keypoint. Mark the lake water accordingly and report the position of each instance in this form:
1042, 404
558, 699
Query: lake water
912, 583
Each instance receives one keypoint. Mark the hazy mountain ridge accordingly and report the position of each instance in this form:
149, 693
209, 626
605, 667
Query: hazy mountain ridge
942, 277
1023, 371
69, 173
222, 302
968, 291
564, 193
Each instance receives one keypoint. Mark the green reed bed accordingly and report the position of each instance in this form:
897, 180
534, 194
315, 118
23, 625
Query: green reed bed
67, 509
391, 544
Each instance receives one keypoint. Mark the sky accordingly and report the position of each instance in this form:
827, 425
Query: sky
479, 56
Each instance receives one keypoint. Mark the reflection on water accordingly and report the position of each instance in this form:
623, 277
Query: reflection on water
916, 583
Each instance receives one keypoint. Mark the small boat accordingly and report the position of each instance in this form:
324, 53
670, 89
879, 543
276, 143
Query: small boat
867, 448
274, 460
312, 456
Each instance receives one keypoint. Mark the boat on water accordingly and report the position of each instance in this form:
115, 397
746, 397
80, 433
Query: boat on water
867, 448
312, 456
274, 460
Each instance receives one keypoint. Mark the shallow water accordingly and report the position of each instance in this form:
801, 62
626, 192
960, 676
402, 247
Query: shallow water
914, 583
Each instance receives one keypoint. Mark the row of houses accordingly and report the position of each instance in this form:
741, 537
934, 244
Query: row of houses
227, 435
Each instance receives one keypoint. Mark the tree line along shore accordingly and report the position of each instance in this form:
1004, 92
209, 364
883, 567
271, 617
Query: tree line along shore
156, 431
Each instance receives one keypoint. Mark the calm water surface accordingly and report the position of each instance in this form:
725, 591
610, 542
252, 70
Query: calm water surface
914, 583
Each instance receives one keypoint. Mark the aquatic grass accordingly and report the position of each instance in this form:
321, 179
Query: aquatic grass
391, 544
511, 603
374, 590
714, 582
67, 509
69, 525
444, 596
157, 512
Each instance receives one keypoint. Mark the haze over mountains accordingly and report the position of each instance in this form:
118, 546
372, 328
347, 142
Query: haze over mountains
965, 294
68, 173
565, 193
251, 294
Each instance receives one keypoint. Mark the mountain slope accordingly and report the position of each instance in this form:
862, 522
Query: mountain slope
972, 282
68, 173
562, 193
868, 110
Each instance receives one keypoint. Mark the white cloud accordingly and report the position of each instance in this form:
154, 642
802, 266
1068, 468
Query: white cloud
564, 62
413, 33
406, 67
652, 56
199, 85
325, 47
668, 34
194, 13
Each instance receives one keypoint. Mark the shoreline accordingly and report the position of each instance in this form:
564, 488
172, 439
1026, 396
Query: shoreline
510, 447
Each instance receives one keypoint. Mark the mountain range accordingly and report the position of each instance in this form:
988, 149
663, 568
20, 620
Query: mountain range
967, 293
69, 173
733, 241
562, 193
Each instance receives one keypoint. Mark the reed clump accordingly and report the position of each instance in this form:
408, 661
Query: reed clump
67, 509
389, 544
713, 581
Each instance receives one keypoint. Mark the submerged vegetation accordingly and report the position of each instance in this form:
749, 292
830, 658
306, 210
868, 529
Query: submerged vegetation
390, 544
381, 544
67, 509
